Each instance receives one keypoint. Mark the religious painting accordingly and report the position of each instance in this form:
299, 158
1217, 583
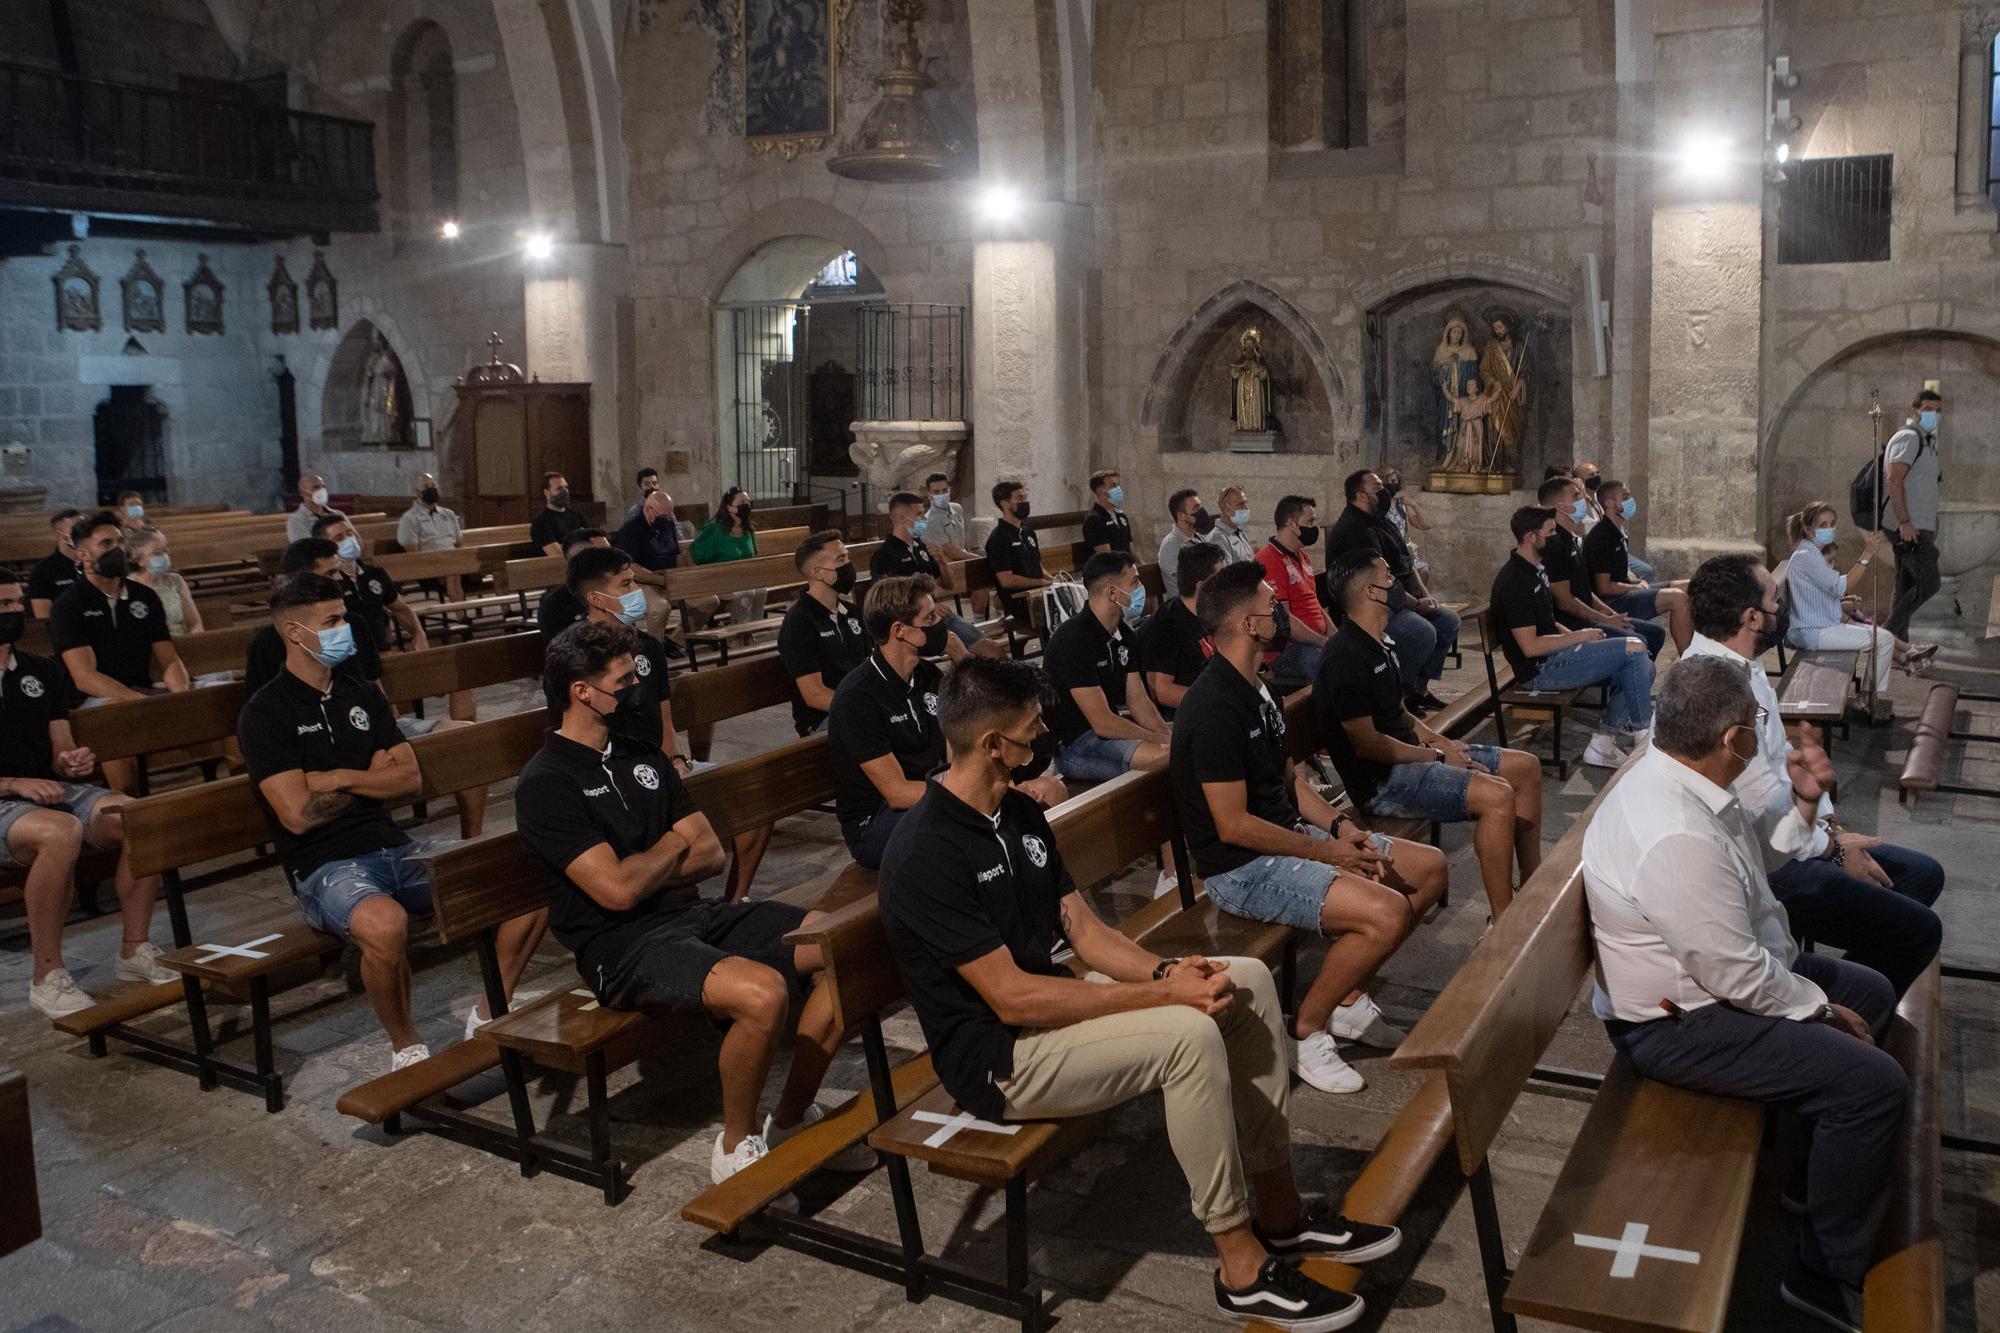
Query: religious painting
788, 51
284, 299
145, 297
322, 295
76, 296
203, 294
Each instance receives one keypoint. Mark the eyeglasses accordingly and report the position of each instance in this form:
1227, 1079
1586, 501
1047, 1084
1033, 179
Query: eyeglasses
1762, 715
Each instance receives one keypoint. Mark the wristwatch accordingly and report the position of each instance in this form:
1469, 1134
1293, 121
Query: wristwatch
1827, 1016
1160, 969
1440, 754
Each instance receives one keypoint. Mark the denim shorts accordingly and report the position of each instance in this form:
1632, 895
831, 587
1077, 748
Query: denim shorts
962, 629
1430, 791
328, 896
1092, 758
77, 799
1283, 889
1640, 603
411, 726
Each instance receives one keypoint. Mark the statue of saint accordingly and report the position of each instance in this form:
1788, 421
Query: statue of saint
1454, 372
1503, 366
380, 411
1250, 407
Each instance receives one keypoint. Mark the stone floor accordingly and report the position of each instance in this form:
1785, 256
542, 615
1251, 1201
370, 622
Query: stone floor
170, 1209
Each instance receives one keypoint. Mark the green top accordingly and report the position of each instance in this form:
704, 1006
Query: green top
714, 544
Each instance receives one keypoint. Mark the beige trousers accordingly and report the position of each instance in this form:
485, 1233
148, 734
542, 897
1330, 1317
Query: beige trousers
1226, 1084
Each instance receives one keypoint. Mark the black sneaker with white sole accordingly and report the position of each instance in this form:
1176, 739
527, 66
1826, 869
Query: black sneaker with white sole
1820, 1297
1320, 1230
1283, 1297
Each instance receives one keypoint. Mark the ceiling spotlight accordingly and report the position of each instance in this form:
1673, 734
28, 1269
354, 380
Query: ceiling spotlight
448, 229
539, 245
1000, 203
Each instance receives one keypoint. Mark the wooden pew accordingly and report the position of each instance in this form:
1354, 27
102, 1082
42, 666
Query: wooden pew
20, 1203
703, 698
1816, 689
771, 572
411, 566
1935, 727
1534, 704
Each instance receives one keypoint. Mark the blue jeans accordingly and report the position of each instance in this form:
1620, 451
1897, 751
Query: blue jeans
961, 629
1284, 889
1630, 674
1896, 933
1650, 633
1092, 758
1640, 569
1423, 640
328, 896
1430, 791
1299, 661
1640, 603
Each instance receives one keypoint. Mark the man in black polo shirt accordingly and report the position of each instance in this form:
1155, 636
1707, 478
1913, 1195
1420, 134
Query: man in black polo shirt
1173, 647
1547, 657
324, 756
372, 594
883, 724
820, 639
1106, 528
904, 553
609, 816
1424, 629
47, 816
559, 609
111, 632
264, 658
1013, 553
1392, 765
1104, 721
1607, 559
1577, 607
557, 520
1272, 849
54, 572
974, 898
604, 582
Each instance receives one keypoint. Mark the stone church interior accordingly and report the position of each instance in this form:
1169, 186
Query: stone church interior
1088, 664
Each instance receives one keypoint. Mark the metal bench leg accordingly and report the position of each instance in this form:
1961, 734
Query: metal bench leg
600, 1129
1029, 1296
909, 1227
260, 1027
1492, 1250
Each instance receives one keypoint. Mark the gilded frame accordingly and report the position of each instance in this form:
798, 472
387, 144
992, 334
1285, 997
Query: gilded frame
790, 141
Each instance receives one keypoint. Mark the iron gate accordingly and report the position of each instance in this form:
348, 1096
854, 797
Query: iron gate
770, 345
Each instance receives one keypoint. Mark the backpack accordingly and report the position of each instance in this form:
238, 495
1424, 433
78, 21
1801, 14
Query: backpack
1868, 493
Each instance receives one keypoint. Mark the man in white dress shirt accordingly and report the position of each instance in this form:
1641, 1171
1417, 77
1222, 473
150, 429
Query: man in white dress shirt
1700, 985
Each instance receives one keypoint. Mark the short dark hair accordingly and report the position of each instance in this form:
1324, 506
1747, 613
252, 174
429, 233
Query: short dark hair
548, 477
982, 692
1103, 474
64, 516
894, 601
321, 522
814, 544
1355, 481
1529, 518
1106, 565
1179, 498
1290, 508
303, 554
1610, 484
1701, 698
583, 650
581, 538
294, 590
1346, 569
593, 565
103, 518
1721, 590
1003, 489
1554, 470
936, 477
1223, 597
905, 500
646, 472
1195, 564
1926, 396
1551, 490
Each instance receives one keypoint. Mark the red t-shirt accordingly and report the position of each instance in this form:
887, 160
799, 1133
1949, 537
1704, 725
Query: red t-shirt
1291, 577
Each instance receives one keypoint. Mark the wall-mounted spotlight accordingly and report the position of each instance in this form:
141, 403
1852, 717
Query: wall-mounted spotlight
1703, 156
539, 245
449, 229
1000, 202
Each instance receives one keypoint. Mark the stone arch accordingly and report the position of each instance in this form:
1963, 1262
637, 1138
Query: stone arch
422, 131
328, 390
1172, 381
1387, 293
790, 217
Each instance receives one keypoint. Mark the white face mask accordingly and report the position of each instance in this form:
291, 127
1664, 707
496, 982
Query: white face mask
318, 497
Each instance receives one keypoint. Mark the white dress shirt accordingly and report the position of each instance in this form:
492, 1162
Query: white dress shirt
1679, 907
1765, 787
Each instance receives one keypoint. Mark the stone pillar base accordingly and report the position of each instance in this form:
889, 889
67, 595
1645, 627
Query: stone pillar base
1679, 557
897, 455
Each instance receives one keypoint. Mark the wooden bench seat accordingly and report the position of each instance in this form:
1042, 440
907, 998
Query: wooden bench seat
381, 1101
20, 1202
984, 1157
1924, 765
1532, 703
1816, 689
118, 1004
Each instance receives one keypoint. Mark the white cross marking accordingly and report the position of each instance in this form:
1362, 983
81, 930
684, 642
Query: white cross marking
953, 1123
584, 1009
249, 950
1632, 1247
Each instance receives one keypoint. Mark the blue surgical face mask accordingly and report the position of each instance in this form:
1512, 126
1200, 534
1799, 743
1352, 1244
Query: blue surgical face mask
159, 564
1927, 419
1629, 508
336, 645
920, 527
942, 500
1823, 536
349, 548
1116, 495
135, 511
1579, 511
1239, 518
632, 607
1135, 601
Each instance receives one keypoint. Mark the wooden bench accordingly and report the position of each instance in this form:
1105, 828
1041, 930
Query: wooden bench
1530, 703
777, 572
1936, 726
703, 698
20, 1203
1817, 688
215, 649
411, 566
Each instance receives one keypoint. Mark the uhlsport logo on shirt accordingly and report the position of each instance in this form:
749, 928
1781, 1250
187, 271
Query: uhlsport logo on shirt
140, 610
1037, 850
641, 665
31, 687
375, 587
853, 625
357, 717
646, 776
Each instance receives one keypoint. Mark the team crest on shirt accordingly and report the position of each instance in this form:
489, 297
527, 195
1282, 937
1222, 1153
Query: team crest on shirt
853, 625
1037, 850
641, 665
375, 587
357, 717
1123, 656
31, 687
140, 610
646, 776
930, 702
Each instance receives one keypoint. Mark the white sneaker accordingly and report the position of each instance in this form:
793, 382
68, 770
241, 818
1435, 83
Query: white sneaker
722, 1165
1603, 751
1318, 1062
855, 1157
58, 996
408, 1056
145, 965
473, 1022
1168, 882
1362, 1022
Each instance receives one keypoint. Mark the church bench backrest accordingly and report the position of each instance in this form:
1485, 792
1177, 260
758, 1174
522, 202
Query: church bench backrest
483, 753
480, 884
430, 672
1107, 828
127, 727
1072, 518
504, 534
216, 649
409, 566
703, 698
20, 1203
775, 568
531, 575
746, 794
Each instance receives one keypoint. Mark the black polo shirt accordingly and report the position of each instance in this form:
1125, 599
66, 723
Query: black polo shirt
653, 546
34, 692
120, 631
557, 611
641, 722
1082, 653
1605, 551
1173, 644
1562, 562
1355, 530
875, 712
814, 639
1521, 600
370, 593
265, 658
1014, 550
898, 559
553, 525
569, 799
1359, 676
1228, 730
954, 886
290, 725
51, 576
1107, 527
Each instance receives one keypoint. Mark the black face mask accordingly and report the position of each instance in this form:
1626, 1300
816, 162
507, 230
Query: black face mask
11, 625
1204, 522
1045, 754
1389, 492
111, 565
560, 500
1021, 511
429, 495
936, 638
622, 700
1772, 631
843, 580
743, 511
1309, 536
1281, 628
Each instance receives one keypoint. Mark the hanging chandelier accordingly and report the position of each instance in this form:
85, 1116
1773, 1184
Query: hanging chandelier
899, 142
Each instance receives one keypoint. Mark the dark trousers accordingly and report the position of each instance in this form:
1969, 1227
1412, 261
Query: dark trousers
1854, 1096
1894, 931
867, 841
1650, 632
1424, 639
1916, 581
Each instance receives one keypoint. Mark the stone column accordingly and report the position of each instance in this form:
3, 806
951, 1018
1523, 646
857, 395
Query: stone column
1975, 87
1707, 285
571, 302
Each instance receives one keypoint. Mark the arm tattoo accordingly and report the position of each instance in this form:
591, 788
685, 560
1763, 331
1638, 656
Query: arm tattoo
322, 806
1068, 930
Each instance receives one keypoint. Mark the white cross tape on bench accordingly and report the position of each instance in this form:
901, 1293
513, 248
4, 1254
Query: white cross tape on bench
1631, 1247
585, 1008
245, 950
951, 1124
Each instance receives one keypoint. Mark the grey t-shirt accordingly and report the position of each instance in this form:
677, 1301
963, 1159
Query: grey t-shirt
1170, 559
1920, 485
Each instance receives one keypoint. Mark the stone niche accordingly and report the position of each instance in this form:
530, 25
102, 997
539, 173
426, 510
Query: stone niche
1192, 391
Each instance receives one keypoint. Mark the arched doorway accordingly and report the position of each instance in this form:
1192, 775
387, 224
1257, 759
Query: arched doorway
422, 130
366, 398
